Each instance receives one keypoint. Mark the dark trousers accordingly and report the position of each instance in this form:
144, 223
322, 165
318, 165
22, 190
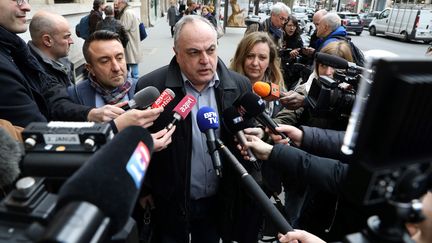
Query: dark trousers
203, 227
172, 31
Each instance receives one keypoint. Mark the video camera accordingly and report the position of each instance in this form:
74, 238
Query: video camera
327, 98
388, 141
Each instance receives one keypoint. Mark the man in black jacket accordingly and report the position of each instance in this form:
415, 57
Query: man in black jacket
50, 44
114, 25
188, 196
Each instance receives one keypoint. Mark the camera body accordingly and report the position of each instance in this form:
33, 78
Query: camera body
327, 99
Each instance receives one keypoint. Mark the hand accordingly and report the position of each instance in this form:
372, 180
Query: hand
292, 100
261, 149
142, 118
105, 113
308, 51
162, 139
147, 200
255, 131
299, 236
294, 53
293, 133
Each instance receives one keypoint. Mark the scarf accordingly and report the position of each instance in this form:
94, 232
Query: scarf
114, 96
276, 32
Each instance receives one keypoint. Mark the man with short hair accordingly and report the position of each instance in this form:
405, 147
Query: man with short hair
329, 29
131, 24
274, 24
108, 83
50, 44
28, 94
188, 196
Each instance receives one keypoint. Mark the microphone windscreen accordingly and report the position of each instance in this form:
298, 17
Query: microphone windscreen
164, 98
146, 96
261, 88
331, 60
185, 106
112, 177
10, 157
233, 121
252, 104
207, 118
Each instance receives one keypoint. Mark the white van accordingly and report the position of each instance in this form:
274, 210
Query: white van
408, 23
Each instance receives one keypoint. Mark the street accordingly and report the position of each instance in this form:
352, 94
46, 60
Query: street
366, 42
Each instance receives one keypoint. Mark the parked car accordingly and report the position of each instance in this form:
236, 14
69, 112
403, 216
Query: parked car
351, 22
367, 18
300, 13
404, 23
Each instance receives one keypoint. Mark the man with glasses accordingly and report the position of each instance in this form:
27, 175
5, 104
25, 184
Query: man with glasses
273, 25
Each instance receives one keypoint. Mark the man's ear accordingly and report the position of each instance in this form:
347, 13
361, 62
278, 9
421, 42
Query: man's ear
46, 40
89, 69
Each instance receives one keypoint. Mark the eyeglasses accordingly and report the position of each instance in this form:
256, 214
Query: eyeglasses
284, 19
21, 2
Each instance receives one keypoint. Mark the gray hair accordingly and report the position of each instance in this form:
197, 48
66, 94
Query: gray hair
187, 19
332, 20
280, 7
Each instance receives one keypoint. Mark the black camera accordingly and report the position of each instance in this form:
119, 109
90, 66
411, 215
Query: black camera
327, 99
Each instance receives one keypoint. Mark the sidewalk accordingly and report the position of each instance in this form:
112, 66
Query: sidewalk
157, 47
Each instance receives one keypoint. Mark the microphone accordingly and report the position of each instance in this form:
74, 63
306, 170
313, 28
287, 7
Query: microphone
111, 179
182, 109
338, 62
235, 124
207, 120
166, 97
267, 91
10, 157
255, 107
255, 191
142, 99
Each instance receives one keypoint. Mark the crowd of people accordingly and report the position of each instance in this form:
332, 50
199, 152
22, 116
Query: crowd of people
190, 202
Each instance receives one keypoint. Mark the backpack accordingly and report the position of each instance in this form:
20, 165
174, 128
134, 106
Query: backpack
357, 54
82, 28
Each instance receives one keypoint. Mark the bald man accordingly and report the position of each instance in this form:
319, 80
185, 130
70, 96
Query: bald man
50, 44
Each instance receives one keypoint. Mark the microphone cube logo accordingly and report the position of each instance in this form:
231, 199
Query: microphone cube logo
187, 104
138, 164
211, 117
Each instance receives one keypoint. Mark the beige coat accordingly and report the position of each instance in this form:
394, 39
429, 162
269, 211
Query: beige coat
131, 25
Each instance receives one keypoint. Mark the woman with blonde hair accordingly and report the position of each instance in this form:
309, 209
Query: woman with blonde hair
257, 58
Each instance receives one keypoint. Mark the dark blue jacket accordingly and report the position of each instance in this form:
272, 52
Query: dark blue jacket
340, 31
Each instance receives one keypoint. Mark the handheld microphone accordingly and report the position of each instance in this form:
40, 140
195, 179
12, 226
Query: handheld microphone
255, 191
142, 99
166, 97
111, 179
235, 124
10, 157
338, 62
207, 120
255, 107
182, 109
267, 91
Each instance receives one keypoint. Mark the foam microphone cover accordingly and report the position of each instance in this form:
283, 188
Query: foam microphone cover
261, 88
331, 60
207, 118
146, 96
10, 157
252, 103
112, 177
